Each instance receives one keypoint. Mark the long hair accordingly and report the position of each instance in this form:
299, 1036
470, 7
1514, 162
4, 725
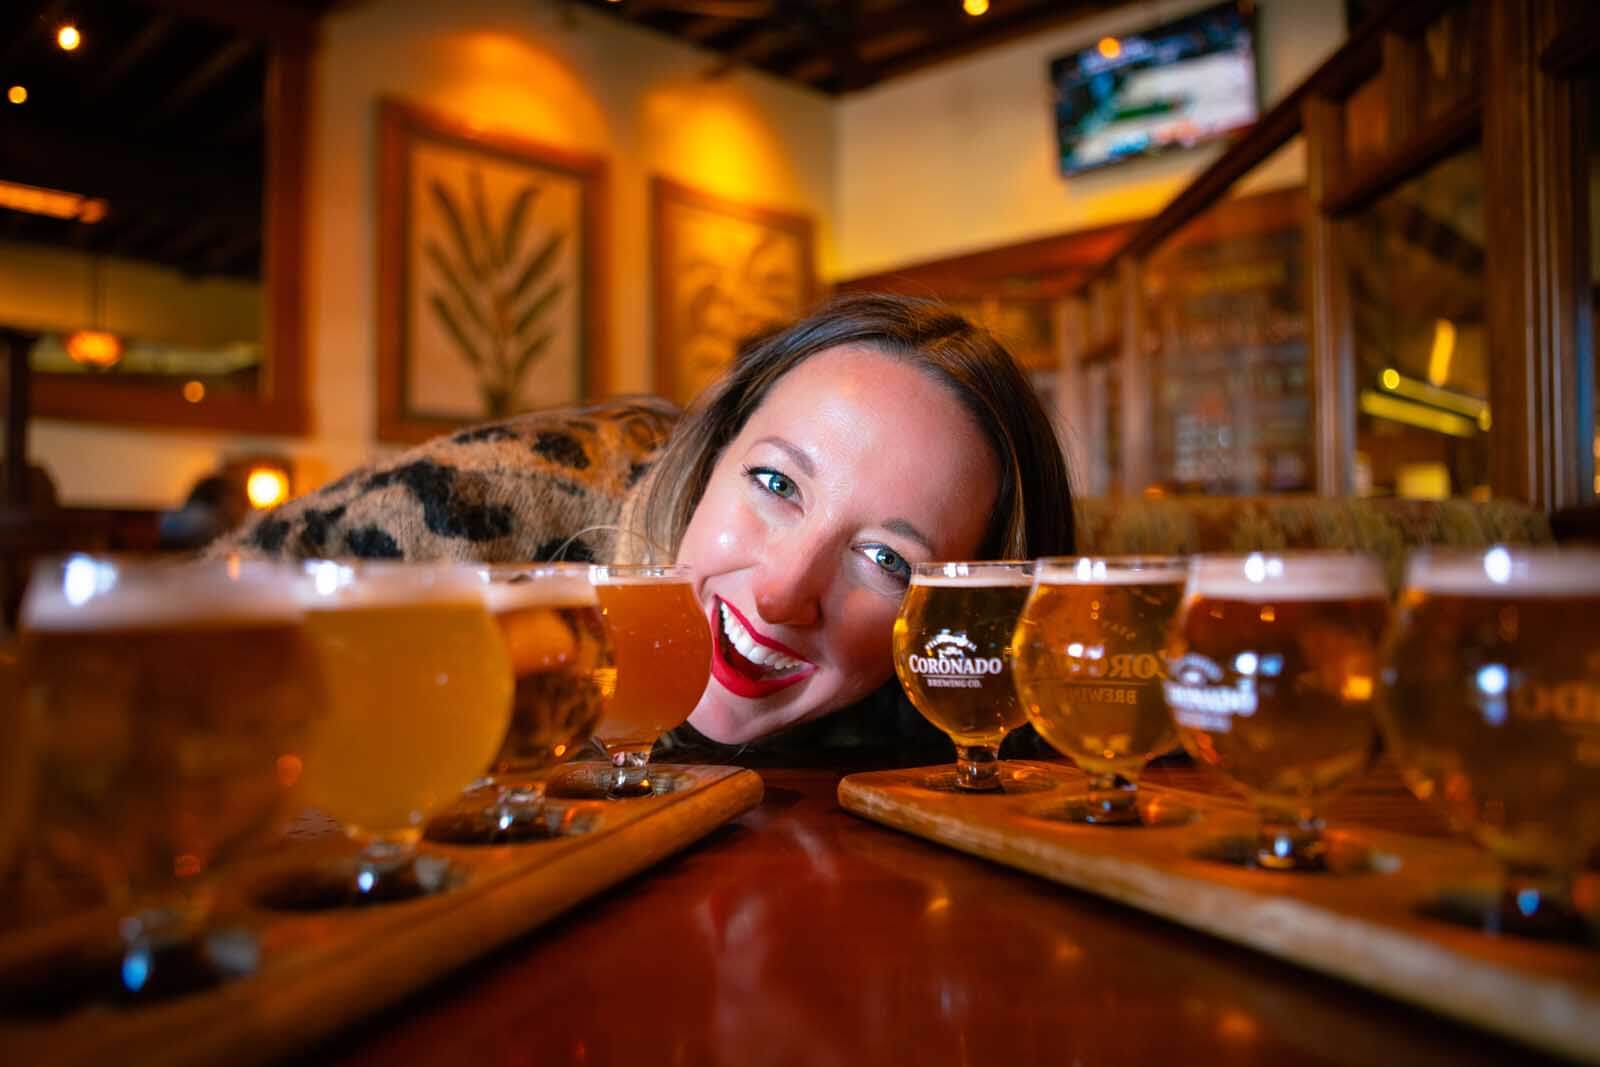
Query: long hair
1033, 507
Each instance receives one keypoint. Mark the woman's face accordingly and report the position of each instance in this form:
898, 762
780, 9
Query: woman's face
855, 466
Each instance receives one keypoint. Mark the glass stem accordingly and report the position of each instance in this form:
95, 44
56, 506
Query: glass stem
631, 772
978, 767
1290, 842
1538, 903
1113, 799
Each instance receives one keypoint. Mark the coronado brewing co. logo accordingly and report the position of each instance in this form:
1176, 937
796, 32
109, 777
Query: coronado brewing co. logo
953, 662
1198, 699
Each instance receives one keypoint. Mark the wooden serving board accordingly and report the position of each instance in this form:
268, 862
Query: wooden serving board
322, 970
1363, 927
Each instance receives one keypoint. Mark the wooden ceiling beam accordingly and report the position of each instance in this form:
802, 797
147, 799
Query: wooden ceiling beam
144, 42
261, 19
222, 61
131, 177
50, 13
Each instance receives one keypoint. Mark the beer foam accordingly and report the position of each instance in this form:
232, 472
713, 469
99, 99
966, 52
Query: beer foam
342, 587
1266, 576
605, 575
1090, 571
1508, 572
551, 591
982, 580
95, 594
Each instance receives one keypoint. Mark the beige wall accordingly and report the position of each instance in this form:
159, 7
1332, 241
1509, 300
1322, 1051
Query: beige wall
562, 76
962, 156
957, 157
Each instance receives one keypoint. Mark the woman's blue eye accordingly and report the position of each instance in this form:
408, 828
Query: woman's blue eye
890, 560
775, 482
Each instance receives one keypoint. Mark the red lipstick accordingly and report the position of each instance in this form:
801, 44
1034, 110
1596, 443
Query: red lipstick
736, 673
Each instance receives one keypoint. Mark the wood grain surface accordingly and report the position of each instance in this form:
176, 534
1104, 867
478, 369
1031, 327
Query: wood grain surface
1361, 927
324, 970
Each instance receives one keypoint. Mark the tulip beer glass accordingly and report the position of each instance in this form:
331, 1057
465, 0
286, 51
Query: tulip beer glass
952, 653
1491, 705
662, 643
562, 675
1087, 658
1272, 663
170, 705
419, 699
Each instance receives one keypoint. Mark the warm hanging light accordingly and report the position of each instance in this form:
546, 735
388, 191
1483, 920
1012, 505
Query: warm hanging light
17, 94
266, 486
1109, 47
194, 391
37, 200
94, 348
975, 7
69, 38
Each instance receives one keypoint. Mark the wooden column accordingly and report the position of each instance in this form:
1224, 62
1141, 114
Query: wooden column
1137, 426
1333, 389
18, 379
1537, 270
1071, 333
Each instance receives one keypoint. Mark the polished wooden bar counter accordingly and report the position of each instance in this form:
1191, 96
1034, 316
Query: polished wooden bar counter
800, 934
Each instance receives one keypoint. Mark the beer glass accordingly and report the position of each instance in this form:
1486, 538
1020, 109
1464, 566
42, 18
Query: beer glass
562, 675
952, 653
662, 644
1272, 663
169, 706
1087, 659
1491, 705
419, 694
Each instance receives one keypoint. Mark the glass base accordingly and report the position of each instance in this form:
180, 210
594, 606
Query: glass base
359, 883
1147, 812
480, 826
597, 781
1515, 913
1012, 781
1339, 856
125, 974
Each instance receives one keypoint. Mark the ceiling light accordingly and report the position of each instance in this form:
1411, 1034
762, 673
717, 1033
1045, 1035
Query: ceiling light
94, 348
1109, 47
69, 38
17, 94
36, 200
194, 392
975, 7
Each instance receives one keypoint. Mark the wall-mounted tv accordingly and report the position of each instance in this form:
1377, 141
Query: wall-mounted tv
1173, 86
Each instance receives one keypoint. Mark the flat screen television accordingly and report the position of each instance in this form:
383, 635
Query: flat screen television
1176, 85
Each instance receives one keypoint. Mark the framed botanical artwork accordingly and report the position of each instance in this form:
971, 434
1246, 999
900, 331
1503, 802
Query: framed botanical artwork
724, 272
490, 274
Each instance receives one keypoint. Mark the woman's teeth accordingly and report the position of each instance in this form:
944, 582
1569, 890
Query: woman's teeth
759, 654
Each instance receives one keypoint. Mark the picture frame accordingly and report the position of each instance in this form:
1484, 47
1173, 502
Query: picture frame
491, 267
724, 272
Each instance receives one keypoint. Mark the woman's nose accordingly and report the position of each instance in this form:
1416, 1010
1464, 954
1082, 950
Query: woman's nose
790, 582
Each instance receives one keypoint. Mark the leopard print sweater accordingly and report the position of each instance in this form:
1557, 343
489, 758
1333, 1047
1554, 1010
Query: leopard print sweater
544, 485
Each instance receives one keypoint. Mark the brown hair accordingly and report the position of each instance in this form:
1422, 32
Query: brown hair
1033, 508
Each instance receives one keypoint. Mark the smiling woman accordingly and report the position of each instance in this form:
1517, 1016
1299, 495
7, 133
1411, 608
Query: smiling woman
877, 433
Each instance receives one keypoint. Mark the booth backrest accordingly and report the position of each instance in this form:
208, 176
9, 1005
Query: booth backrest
1387, 528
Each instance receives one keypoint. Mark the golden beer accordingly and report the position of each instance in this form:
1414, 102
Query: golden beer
419, 690
1271, 670
170, 704
952, 654
662, 644
1088, 662
560, 662
1491, 703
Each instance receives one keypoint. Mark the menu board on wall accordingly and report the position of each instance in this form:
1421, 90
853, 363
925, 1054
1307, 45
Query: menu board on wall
1230, 372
